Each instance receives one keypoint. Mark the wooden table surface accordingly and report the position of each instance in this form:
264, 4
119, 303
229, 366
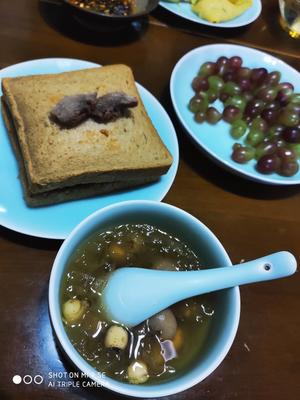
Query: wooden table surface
250, 219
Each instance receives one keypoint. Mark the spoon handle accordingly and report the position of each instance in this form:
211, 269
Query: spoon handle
134, 294
273, 266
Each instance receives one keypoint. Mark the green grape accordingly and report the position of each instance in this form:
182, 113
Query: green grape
238, 128
259, 124
275, 131
236, 101
212, 95
288, 118
295, 98
216, 83
242, 154
295, 147
264, 148
213, 116
254, 137
198, 103
231, 88
208, 68
267, 94
293, 107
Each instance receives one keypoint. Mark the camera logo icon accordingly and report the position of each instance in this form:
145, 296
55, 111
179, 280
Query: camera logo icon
28, 379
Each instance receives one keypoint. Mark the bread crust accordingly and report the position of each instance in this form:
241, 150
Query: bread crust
54, 158
65, 194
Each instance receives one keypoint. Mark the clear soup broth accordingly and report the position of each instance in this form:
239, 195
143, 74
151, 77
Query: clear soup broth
158, 349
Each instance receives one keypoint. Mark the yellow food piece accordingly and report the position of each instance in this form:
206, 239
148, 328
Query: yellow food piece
73, 310
178, 339
137, 372
220, 10
116, 337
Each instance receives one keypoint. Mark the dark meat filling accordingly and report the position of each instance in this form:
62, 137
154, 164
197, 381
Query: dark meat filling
71, 111
112, 106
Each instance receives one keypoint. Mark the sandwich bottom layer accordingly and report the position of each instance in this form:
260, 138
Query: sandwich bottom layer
64, 194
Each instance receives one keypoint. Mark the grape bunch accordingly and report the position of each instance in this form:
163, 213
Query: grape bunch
261, 109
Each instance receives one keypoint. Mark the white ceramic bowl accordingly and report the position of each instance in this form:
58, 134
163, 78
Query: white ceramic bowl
181, 224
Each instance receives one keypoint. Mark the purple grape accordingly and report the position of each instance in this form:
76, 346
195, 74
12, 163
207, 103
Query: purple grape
286, 87
254, 108
228, 76
200, 116
258, 75
222, 65
244, 84
243, 72
286, 154
272, 78
200, 83
223, 97
235, 62
285, 91
288, 168
291, 135
268, 163
231, 113
283, 98
270, 116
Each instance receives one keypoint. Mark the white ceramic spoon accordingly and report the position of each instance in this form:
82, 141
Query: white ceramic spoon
134, 294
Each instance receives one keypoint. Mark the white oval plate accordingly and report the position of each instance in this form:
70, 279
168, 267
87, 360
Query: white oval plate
57, 221
216, 139
184, 10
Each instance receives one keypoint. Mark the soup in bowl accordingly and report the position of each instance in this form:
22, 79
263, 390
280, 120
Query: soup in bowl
169, 352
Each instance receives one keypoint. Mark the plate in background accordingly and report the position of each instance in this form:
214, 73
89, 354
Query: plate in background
184, 10
57, 221
216, 139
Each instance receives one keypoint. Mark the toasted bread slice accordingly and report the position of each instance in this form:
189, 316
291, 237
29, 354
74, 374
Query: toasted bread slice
65, 194
128, 148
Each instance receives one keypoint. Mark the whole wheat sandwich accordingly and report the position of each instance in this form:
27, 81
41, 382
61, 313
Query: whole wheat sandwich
81, 133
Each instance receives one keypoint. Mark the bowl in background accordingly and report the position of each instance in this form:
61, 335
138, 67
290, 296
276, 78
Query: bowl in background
108, 22
187, 228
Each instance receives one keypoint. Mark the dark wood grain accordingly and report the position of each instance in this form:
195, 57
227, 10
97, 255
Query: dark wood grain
250, 219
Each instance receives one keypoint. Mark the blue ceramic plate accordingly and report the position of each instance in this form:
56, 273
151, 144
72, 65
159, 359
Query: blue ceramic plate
216, 139
57, 221
184, 11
